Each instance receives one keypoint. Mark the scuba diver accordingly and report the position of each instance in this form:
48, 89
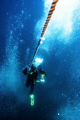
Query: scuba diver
33, 73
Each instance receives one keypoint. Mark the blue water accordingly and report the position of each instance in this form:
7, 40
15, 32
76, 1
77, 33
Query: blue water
21, 23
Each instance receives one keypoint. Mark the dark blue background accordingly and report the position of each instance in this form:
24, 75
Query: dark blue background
59, 95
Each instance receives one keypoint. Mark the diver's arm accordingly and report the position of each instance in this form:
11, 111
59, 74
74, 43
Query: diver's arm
42, 72
25, 71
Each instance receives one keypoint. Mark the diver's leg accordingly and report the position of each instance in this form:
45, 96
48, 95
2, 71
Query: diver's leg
28, 82
32, 86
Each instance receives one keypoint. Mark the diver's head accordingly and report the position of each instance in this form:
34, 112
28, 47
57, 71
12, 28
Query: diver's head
37, 62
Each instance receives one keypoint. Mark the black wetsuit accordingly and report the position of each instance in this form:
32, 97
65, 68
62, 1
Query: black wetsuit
32, 76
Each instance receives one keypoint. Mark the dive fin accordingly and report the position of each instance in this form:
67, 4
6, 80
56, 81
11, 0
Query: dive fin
32, 100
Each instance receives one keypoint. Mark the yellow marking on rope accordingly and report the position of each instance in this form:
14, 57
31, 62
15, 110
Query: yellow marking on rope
49, 16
